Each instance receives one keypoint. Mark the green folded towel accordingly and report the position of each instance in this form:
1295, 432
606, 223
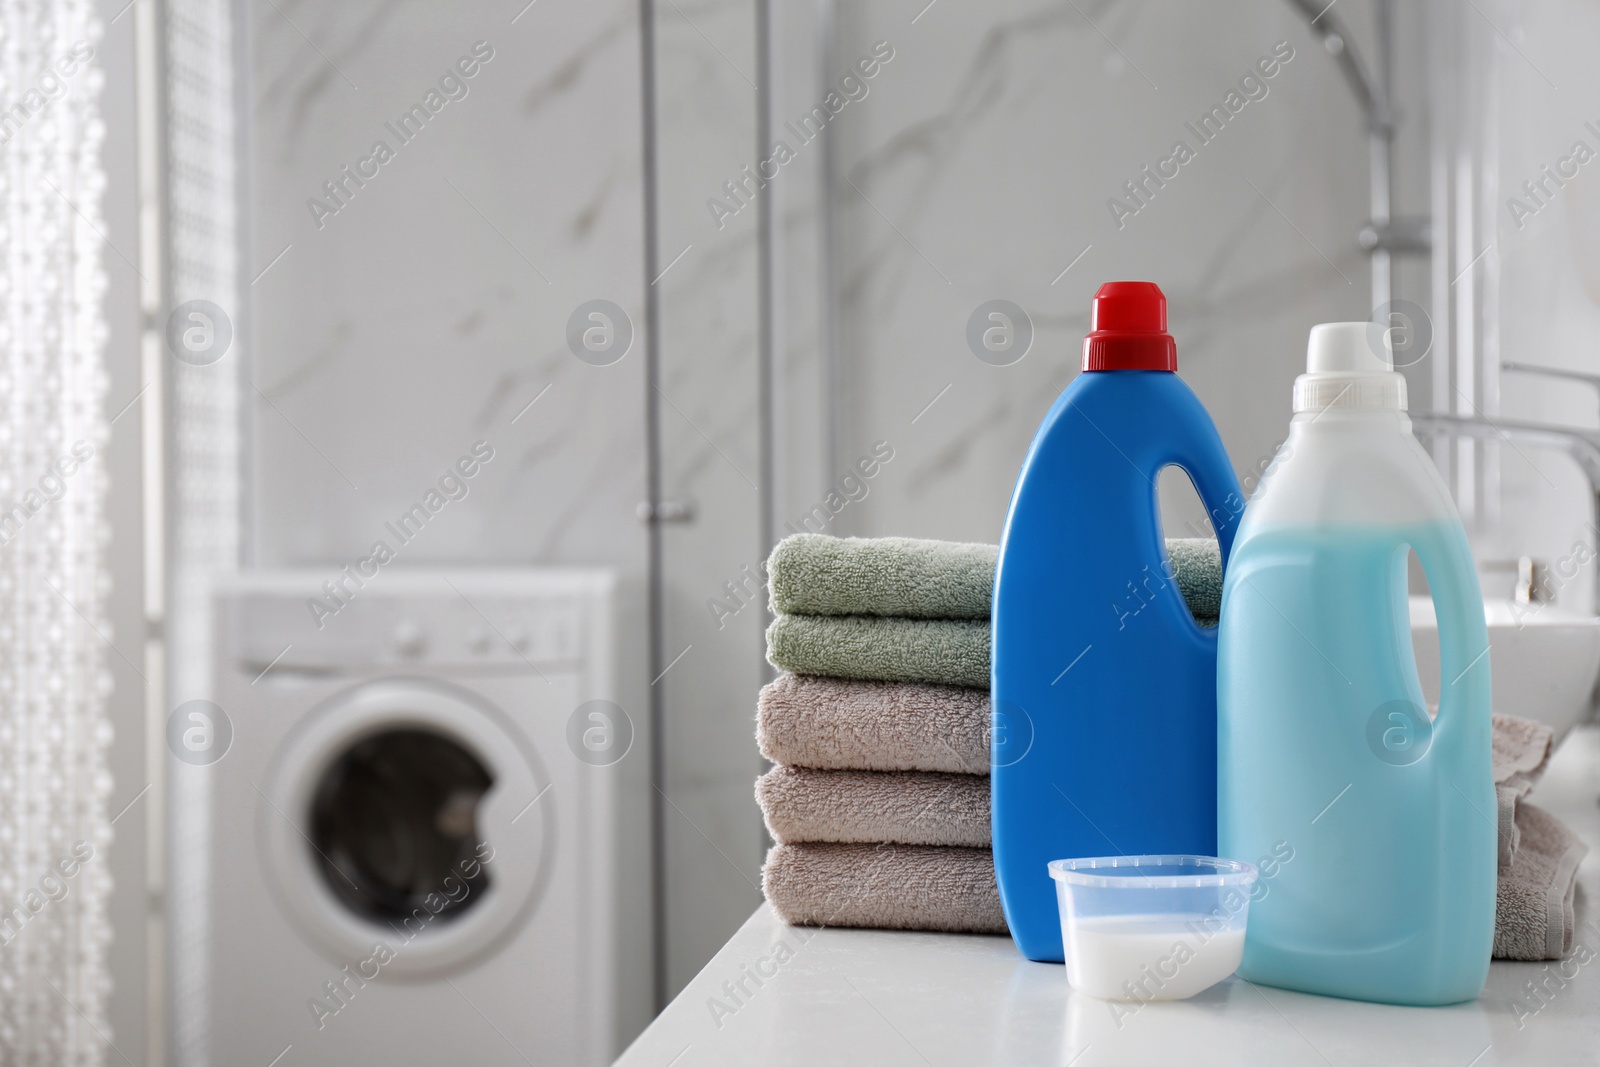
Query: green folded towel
944, 651
814, 574
910, 578
874, 649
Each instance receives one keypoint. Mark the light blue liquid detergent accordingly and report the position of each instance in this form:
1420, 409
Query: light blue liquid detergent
1326, 754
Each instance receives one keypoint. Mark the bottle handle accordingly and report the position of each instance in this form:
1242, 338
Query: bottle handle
1463, 647
1223, 499
1211, 472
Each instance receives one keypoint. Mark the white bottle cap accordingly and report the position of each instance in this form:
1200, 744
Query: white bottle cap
1350, 365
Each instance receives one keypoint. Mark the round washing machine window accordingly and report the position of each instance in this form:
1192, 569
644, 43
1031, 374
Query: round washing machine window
395, 819
407, 812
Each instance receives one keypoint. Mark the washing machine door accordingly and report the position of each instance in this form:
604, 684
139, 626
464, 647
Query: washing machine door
407, 814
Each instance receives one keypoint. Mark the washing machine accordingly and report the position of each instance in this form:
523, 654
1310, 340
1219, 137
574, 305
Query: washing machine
428, 829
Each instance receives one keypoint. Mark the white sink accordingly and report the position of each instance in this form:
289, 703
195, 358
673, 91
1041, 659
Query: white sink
1542, 661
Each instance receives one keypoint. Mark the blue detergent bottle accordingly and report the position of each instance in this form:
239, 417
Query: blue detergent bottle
1381, 817
1104, 686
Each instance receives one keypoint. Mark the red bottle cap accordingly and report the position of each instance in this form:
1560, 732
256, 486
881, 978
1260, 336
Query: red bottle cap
1130, 329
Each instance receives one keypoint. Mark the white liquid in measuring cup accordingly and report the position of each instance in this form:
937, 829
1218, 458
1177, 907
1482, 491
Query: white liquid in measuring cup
1166, 957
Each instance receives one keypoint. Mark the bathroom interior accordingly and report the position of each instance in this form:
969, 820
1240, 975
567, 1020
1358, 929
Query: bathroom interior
405, 400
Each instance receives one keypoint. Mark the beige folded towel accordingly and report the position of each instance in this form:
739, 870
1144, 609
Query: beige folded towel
838, 828
929, 887
810, 721
868, 807
1521, 749
888, 887
1533, 917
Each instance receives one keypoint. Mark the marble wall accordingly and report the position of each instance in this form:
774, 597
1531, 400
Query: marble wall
401, 319
989, 162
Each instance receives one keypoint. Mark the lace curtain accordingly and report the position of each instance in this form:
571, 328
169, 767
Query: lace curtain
54, 729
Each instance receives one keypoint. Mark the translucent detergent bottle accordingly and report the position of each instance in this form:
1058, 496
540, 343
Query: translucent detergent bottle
1326, 753
1104, 686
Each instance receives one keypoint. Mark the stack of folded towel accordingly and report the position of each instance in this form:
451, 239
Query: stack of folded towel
879, 802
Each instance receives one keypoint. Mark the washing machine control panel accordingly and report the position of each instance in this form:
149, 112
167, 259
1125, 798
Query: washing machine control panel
518, 638
455, 625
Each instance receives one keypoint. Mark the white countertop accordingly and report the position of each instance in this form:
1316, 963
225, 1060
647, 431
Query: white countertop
884, 997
